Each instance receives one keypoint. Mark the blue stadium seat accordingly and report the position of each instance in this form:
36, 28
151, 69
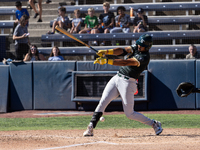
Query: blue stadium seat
6, 24
157, 35
156, 49
163, 20
12, 0
164, 6
7, 10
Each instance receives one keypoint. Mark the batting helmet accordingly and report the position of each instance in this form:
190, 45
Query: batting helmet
145, 40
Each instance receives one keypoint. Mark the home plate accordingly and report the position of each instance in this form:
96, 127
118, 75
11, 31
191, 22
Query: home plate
64, 113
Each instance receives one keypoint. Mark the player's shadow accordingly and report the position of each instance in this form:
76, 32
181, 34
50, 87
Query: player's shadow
161, 94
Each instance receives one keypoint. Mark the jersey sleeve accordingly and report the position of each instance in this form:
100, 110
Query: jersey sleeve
101, 17
16, 14
116, 19
26, 12
135, 21
86, 20
96, 21
146, 19
142, 59
113, 16
128, 19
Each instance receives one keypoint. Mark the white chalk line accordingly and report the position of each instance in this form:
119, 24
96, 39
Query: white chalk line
78, 145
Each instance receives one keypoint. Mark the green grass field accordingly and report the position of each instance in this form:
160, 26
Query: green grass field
111, 121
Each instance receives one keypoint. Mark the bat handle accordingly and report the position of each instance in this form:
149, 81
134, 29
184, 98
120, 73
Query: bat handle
93, 49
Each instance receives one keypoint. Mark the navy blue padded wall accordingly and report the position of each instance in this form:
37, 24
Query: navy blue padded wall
52, 85
2, 47
165, 76
198, 83
90, 66
21, 85
4, 81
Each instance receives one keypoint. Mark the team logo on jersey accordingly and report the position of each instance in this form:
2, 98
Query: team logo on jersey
92, 20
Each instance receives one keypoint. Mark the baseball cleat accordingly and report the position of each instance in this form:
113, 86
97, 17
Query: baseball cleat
89, 131
157, 127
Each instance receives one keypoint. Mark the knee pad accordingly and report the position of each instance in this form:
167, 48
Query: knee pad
95, 118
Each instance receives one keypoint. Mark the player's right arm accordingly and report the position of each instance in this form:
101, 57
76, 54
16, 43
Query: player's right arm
118, 62
115, 51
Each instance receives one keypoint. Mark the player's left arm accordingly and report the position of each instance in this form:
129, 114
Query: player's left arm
128, 62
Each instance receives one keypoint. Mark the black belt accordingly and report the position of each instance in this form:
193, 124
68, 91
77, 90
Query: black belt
123, 76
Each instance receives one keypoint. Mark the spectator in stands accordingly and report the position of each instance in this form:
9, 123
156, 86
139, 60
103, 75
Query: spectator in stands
140, 21
39, 12
106, 22
91, 22
76, 22
193, 52
19, 13
20, 36
122, 23
62, 21
33, 54
55, 54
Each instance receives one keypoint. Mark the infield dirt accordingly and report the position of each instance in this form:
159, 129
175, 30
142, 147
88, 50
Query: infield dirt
110, 139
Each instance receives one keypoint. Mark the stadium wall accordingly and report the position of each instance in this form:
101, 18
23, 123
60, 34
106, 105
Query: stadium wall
48, 85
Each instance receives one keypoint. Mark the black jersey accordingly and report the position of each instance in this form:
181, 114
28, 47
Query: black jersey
107, 18
134, 71
137, 20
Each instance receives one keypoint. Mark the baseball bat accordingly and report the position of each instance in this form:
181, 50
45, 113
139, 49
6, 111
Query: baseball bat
73, 37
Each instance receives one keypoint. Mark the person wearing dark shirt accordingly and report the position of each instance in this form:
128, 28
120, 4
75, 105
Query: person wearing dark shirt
140, 21
106, 22
124, 82
19, 13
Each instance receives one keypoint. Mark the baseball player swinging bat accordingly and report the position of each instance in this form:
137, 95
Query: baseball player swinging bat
73, 37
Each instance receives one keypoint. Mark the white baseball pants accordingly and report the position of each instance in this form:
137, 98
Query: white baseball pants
126, 89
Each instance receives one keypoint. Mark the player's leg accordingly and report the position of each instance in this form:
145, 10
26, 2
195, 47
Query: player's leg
127, 88
110, 92
133, 115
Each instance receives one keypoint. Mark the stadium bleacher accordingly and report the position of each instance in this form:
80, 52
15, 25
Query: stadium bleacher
163, 20
164, 6
172, 34
157, 35
156, 49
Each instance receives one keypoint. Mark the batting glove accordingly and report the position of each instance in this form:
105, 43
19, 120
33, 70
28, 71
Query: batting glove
102, 53
102, 61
